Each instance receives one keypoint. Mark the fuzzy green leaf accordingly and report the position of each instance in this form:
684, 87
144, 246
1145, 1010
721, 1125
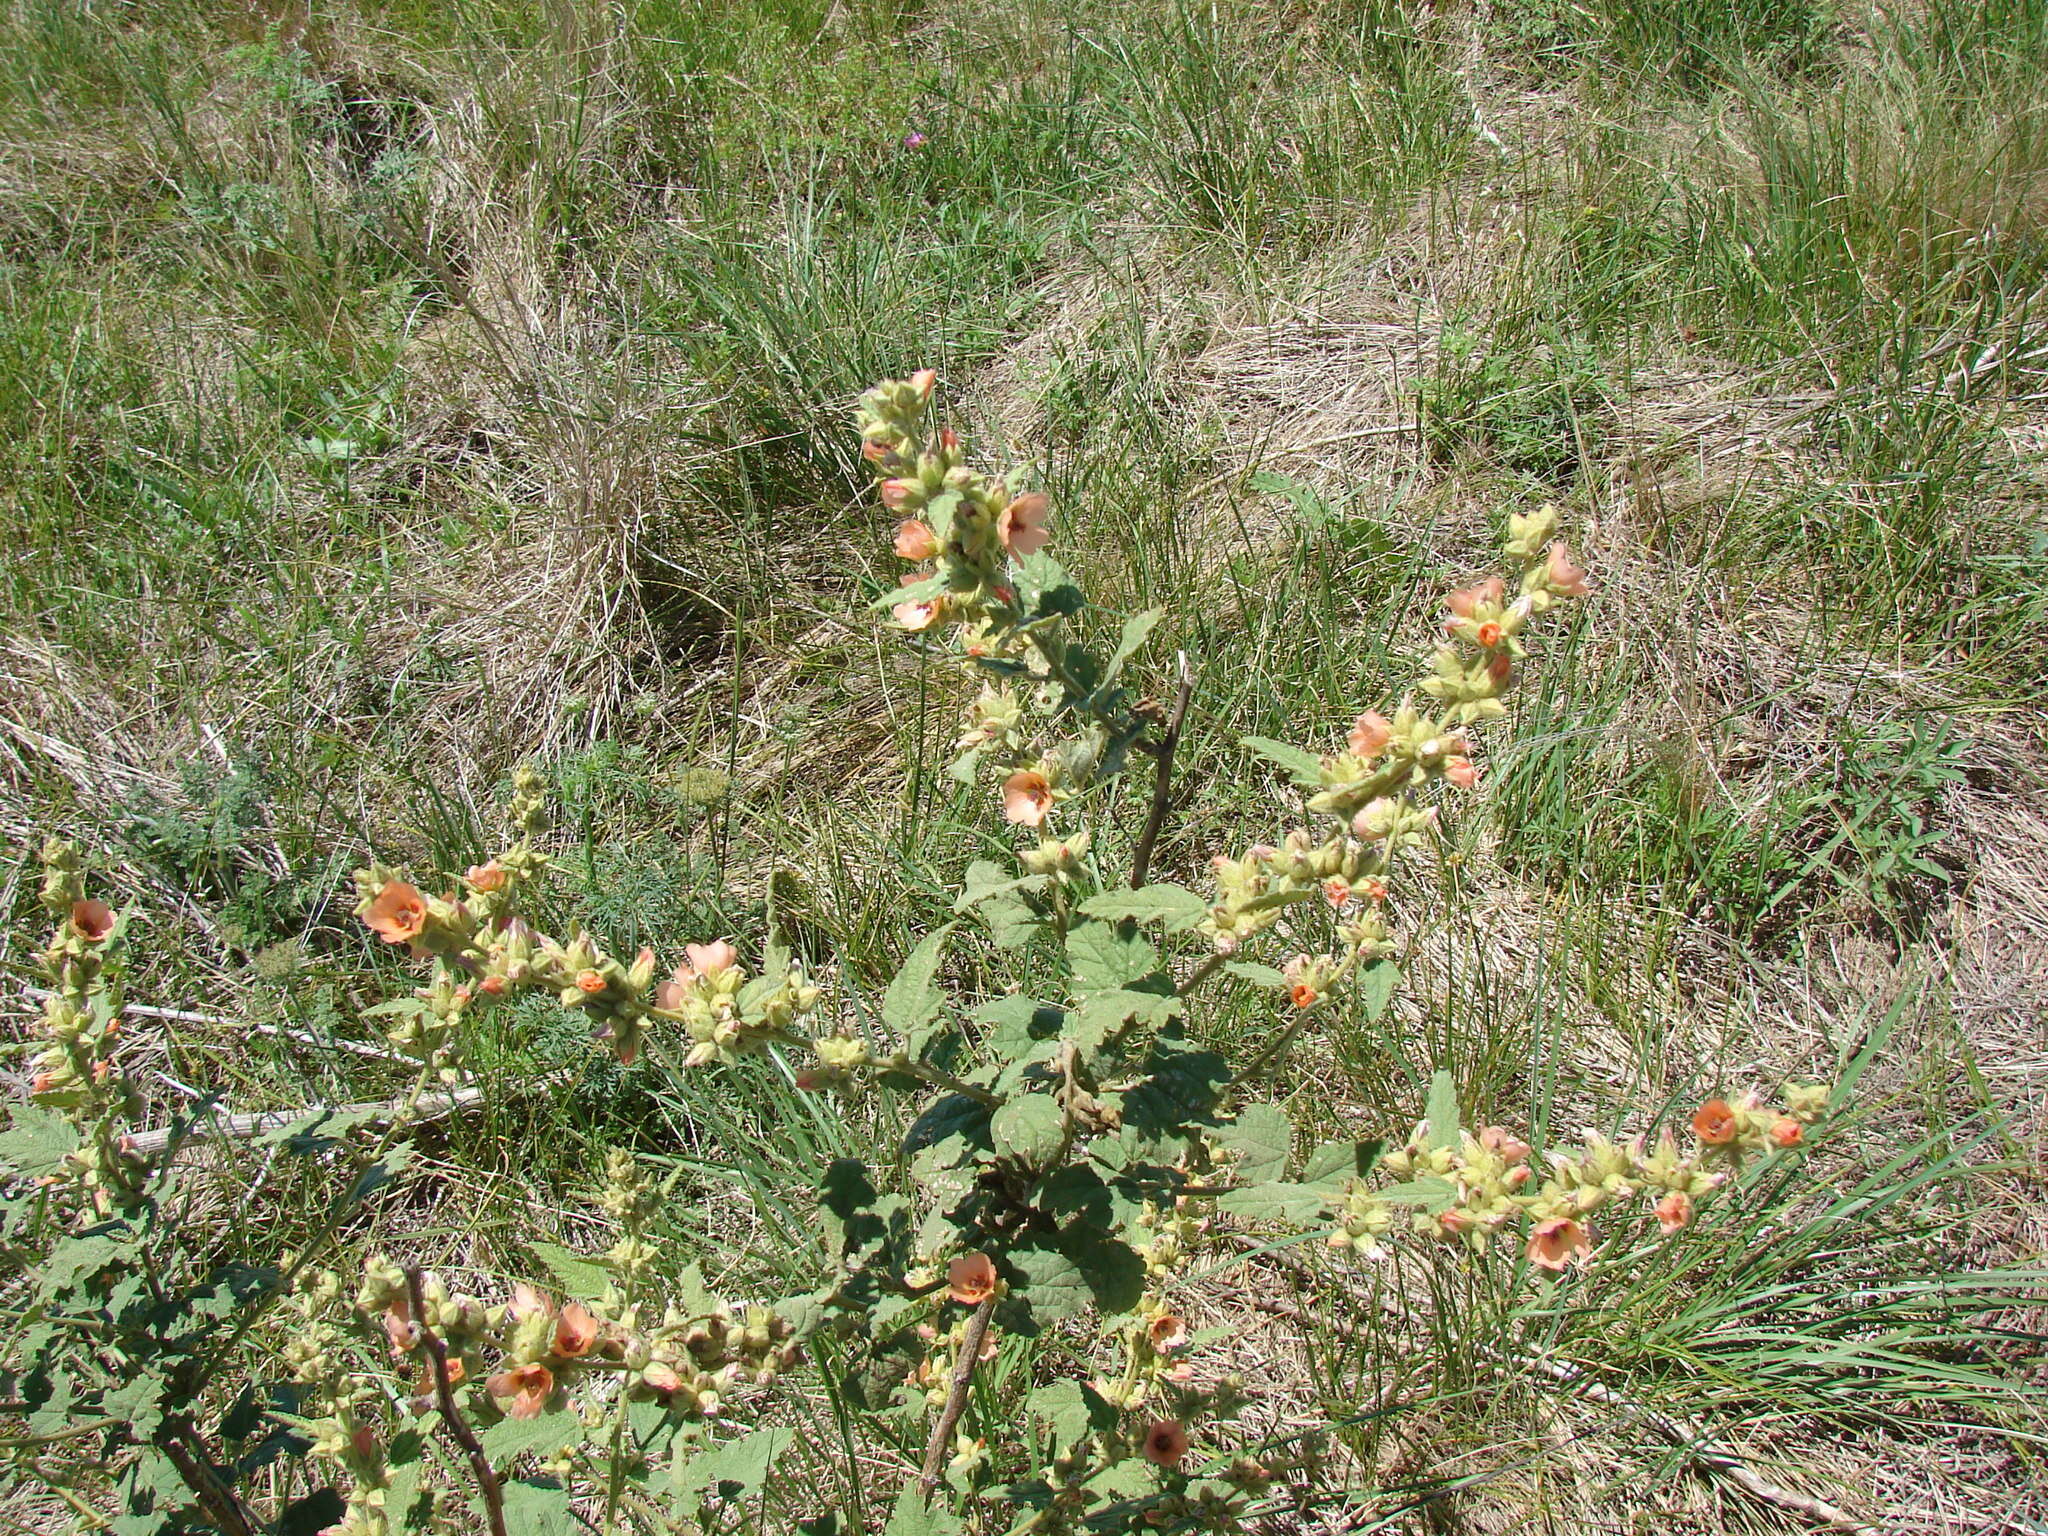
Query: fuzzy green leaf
1300, 1203
985, 878
582, 1278
535, 1508
733, 1469
911, 592
1102, 957
914, 997
1104, 1015
911, 1517
1376, 985
510, 1438
1442, 1111
36, 1140
1072, 1410
1337, 1163
1429, 1192
1172, 905
1263, 1138
1258, 975
1029, 1128
1306, 767
1137, 628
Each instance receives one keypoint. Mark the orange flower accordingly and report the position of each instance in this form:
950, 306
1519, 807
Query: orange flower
1558, 1242
923, 380
915, 540
1714, 1123
1489, 634
1021, 526
1302, 995
524, 1390
1337, 892
487, 877
1567, 579
397, 913
707, 960
1504, 1143
1500, 667
1165, 1443
1787, 1132
873, 452
576, 1331
399, 1327
1168, 1333
590, 982
492, 986
971, 1279
917, 616
1027, 798
1370, 734
92, 921
1462, 772
1674, 1211
896, 494
1464, 601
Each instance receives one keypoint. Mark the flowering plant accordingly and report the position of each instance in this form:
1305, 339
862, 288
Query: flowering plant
1067, 1158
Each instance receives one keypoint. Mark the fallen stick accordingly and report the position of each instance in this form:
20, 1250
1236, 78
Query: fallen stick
221, 1021
429, 1106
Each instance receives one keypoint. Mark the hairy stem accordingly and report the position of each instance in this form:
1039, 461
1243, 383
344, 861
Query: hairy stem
451, 1416
1162, 779
956, 1396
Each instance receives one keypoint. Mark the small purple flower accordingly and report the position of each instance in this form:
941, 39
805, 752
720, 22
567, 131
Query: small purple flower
913, 140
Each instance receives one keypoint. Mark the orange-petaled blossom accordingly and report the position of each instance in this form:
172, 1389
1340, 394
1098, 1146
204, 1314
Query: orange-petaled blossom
1463, 772
1165, 1443
397, 913
576, 1331
1787, 1132
1714, 1123
1565, 577
1557, 1242
707, 960
399, 1328
524, 1390
1466, 599
1021, 526
1489, 634
915, 616
1168, 1332
488, 877
1370, 734
896, 494
590, 982
1337, 891
661, 1377
92, 921
1674, 1212
923, 380
915, 540
1027, 798
971, 1279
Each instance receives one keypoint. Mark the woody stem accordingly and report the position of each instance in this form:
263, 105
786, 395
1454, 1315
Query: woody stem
451, 1416
956, 1396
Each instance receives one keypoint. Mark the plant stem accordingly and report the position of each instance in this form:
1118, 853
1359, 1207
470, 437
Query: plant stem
1162, 779
451, 1416
956, 1396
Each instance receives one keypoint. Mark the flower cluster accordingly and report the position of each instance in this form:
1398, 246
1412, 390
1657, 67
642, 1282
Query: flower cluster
1369, 795
1492, 1181
966, 531
486, 951
76, 1072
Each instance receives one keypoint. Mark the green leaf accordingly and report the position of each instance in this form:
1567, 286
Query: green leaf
1306, 767
1310, 507
910, 1517
583, 1279
1172, 905
1136, 630
986, 878
1045, 1282
545, 1435
1029, 1128
1376, 984
913, 998
1102, 1016
1339, 1162
911, 592
1011, 922
1102, 957
1300, 1203
1258, 975
1263, 1138
1442, 1111
1428, 1191
1018, 1023
36, 1140
1072, 1410
536, 1508
740, 1466
316, 1512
